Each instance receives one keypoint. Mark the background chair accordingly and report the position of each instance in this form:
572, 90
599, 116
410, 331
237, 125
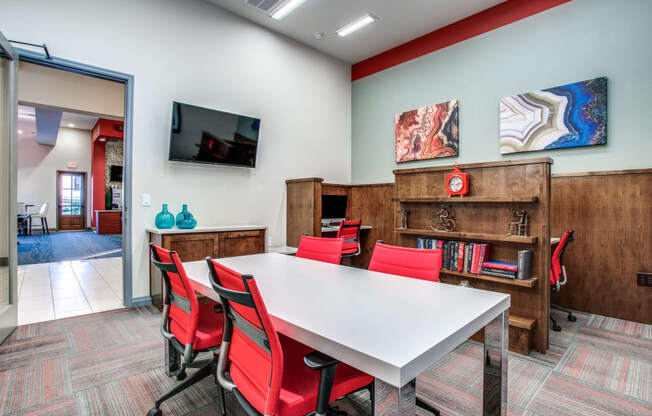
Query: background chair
350, 232
42, 215
268, 373
328, 250
408, 262
558, 277
189, 326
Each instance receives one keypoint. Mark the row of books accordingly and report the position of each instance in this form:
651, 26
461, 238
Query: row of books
474, 258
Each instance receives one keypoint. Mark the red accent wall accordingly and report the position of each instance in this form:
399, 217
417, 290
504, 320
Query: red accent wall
485, 21
98, 177
106, 129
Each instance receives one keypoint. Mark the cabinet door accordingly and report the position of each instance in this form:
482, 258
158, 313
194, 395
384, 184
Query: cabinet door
193, 247
242, 243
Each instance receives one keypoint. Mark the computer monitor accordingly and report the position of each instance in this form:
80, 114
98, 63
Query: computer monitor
333, 207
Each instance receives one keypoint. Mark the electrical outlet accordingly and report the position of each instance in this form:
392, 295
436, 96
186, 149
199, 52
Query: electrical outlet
644, 279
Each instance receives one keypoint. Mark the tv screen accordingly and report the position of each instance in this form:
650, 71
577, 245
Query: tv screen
115, 174
203, 135
333, 207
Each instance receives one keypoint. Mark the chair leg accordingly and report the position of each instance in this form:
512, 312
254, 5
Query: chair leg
47, 229
197, 376
372, 397
555, 327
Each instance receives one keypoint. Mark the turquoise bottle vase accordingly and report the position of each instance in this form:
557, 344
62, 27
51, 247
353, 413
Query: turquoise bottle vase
164, 219
185, 219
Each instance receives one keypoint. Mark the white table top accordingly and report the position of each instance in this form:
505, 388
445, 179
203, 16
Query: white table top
206, 229
391, 327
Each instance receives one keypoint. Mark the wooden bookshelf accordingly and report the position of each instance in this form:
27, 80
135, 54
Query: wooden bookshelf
484, 237
473, 199
513, 282
482, 216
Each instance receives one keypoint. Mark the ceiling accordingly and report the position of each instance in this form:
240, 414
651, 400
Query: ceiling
399, 21
27, 121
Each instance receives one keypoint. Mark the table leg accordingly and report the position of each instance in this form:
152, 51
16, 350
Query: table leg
394, 401
496, 338
171, 358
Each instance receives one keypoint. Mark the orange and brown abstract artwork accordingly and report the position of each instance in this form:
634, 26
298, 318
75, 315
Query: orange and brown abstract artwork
427, 133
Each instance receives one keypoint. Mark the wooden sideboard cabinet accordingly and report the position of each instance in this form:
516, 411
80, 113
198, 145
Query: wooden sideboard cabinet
108, 221
202, 242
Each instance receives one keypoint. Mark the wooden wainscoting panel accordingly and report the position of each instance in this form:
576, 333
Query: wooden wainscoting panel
611, 213
303, 209
373, 205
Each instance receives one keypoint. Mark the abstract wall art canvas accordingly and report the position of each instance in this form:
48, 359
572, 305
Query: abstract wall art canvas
572, 115
427, 133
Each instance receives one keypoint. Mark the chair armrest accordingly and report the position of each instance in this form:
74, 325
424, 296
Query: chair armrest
318, 361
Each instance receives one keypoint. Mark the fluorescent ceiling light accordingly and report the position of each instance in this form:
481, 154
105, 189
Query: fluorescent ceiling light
71, 125
286, 9
356, 25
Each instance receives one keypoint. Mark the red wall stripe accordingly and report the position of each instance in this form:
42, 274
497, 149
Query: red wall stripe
485, 21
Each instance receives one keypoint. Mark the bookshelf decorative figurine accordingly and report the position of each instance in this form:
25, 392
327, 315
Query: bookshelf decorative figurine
404, 218
442, 220
520, 227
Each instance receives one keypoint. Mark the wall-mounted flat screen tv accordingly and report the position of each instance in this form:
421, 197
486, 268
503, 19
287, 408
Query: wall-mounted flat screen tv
202, 135
115, 173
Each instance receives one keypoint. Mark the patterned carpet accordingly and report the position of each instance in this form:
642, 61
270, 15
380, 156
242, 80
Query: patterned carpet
55, 247
110, 363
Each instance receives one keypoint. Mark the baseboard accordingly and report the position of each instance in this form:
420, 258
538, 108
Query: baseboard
141, 301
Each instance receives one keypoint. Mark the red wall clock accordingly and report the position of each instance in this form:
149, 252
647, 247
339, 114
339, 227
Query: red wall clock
457, 183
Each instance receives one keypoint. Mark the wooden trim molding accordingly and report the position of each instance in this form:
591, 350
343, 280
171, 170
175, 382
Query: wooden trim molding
485, 21
604, 173
496, 164
304, 180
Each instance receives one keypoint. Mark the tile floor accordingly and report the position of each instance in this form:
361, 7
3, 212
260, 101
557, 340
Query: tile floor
58, 290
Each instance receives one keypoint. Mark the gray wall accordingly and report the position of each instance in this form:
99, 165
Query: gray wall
579, 40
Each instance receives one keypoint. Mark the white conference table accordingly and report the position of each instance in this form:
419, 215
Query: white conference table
390, 327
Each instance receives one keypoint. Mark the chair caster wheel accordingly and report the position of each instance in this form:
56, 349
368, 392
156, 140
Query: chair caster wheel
572, 318
154, 412
181, 376
556, 328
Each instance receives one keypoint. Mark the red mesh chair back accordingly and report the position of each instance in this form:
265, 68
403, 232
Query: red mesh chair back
350, 232
328, 250
180, 301
250, 346
408, 262
556, 271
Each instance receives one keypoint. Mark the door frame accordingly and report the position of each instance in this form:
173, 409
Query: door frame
84, 192
128, 81
9, 313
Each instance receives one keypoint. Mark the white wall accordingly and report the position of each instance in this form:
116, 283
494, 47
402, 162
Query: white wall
196, 53
38, 164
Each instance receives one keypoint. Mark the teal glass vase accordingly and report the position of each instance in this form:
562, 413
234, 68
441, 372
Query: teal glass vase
164, 219
185, 219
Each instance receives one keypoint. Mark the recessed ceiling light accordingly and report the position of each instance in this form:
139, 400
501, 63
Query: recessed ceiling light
286, 9
356, 25
102, 139
71, 125
20, 132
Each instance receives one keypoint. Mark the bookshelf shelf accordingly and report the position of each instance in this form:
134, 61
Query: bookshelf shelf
471, 199
513, 282
452, 235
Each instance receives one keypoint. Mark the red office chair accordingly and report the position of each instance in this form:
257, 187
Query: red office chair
328, 250
189, 326
408, 262
268, 373
557, 272
350, 232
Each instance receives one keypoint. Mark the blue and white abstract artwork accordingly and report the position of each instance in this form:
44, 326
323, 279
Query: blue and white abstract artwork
572, 115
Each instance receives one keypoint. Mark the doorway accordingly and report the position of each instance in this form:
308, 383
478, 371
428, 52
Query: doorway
85, 280
71, 197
